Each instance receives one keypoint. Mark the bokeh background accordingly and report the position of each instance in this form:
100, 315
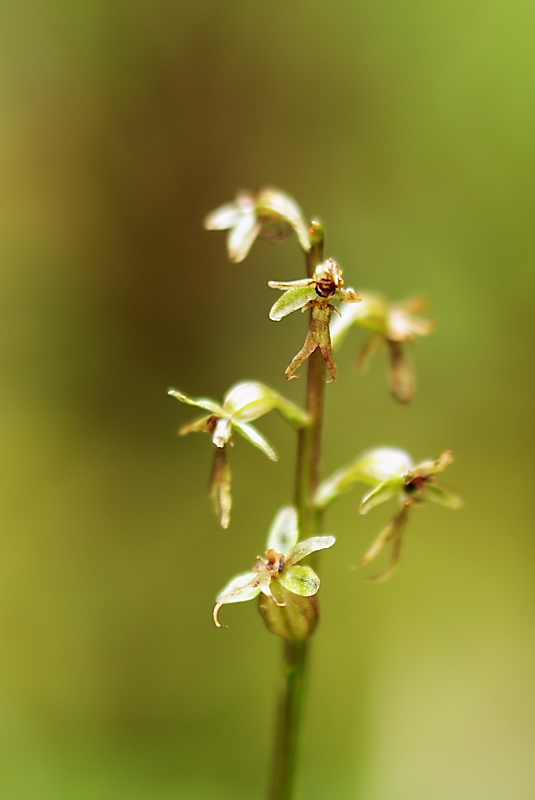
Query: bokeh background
408, 128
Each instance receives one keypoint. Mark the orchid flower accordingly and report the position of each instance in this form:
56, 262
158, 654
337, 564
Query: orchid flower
279, 565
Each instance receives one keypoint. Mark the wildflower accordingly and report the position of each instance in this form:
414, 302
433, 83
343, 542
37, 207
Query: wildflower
271, 213
244, 402
279, 566
391, 324
391, 472
315, 293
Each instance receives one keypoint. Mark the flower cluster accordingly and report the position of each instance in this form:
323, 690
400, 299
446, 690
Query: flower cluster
286, 589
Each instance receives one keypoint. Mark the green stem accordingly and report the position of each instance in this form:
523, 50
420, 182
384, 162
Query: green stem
289, 725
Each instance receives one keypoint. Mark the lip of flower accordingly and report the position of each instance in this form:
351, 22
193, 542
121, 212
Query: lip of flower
280, 563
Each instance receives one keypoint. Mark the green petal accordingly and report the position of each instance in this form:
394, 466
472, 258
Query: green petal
300, 580
292, 300
308, 546
199, 402
255, 437
380, 494
284, 531
442, 496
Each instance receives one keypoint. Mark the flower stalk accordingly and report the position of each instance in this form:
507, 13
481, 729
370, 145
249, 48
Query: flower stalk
285, 587
296, 654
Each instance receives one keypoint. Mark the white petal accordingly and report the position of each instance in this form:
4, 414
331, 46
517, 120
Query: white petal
241, 237
383, 463
222, 218
284, 531
239, 589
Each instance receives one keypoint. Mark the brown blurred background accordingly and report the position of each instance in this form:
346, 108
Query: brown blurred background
408, 129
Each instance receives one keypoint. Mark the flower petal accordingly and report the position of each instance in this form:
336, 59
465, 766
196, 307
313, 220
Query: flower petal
300, 580
434, 467
283, 286
274, 201
369, 348
380, 494
348, 295
442, 496
292, 300
249, 400
198, 425
241, 237
222, 218
381, 463
255, 437
392, 533
199, 402
284, 531
239, 589
303, 549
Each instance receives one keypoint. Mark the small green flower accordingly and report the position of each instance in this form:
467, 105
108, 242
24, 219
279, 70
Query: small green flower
393, 324
315, 293
244, 402
271, 213
283, 553
392, 473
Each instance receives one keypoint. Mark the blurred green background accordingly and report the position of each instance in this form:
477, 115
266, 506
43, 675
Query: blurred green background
408, 128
